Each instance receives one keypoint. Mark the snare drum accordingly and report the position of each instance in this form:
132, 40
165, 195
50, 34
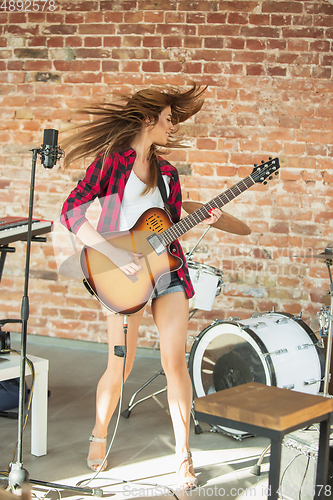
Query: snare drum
207, 282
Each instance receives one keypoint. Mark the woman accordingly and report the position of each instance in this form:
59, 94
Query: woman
125, 140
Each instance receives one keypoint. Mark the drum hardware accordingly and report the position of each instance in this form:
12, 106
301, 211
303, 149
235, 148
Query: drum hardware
312, 381
277, 353
327, 256
306, 346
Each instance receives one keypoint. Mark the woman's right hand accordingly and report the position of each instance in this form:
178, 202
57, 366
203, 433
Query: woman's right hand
128, 262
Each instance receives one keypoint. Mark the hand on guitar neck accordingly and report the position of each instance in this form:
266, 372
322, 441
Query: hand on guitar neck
128, 262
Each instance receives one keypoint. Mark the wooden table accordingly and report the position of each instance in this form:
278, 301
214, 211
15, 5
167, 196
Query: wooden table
271, 412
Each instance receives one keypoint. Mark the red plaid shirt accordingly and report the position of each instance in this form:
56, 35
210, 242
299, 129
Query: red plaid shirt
107, 182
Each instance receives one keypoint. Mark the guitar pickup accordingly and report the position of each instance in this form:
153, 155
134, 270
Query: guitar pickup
156, 244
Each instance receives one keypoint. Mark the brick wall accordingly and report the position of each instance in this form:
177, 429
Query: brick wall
268, 64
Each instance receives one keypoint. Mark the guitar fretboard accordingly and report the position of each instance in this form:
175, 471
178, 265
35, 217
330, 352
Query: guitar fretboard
174, 232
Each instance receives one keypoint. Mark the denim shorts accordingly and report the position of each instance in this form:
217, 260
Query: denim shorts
168, 283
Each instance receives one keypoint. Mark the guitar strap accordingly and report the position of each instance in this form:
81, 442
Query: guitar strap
161, 187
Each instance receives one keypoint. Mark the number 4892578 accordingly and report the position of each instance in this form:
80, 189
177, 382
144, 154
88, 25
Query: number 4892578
27, 5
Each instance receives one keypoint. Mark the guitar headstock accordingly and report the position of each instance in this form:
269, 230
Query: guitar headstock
266, 170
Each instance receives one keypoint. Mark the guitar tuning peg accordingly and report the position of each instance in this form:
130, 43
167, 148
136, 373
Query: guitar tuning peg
262, 161
270, 177
270, 158
256, 164
265, 182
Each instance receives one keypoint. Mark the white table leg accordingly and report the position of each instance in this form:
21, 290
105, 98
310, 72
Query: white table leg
39, 415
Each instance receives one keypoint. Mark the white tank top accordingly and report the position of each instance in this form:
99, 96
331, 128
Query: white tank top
133, 204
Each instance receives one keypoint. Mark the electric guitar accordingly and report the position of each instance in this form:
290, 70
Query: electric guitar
151, 236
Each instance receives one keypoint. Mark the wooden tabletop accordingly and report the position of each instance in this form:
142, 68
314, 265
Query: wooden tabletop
264, 406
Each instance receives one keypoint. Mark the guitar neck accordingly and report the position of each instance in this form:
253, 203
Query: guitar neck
184, 225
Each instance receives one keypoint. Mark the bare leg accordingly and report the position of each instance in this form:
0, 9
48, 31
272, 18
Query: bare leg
109, 386
171, 317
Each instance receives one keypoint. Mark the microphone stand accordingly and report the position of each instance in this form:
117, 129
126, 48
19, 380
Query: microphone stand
18, 475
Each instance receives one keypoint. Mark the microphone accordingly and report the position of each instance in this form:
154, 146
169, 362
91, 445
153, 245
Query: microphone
50, 151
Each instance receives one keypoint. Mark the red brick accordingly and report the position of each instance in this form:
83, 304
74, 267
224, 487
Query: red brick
21, 30
110, 66
151, 66
195, 18
56, 42
213, 43
276, 44
172, 67
172, 41
234, 43
55, 17
237, 18
74, 18
192, 68
302, 33
136, 29
112, 41
192, 42
198, 5
277, 71
212, 55
74, 41
154, 17
82, 78
321, 72
152, 41
113, 17
60, 30
80, 5
130, 66
96, 29
255, 69
92, 53
259, 19
93, 17
130, 53
260, 32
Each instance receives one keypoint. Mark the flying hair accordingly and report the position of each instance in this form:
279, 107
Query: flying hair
117, 123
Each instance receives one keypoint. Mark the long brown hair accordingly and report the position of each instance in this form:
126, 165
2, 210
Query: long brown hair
117, 124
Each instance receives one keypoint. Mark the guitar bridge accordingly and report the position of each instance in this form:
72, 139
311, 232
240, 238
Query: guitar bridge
156, 244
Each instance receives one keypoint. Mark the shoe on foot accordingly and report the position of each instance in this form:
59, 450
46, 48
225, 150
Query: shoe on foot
95, 464
186, 478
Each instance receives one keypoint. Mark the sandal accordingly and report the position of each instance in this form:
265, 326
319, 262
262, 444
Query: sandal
186, 479
97, 461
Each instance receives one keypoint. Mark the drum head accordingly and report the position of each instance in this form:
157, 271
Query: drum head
225, 355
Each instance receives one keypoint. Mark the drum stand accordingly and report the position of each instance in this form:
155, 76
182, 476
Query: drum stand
327, 376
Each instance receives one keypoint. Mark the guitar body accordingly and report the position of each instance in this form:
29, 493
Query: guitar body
115, 290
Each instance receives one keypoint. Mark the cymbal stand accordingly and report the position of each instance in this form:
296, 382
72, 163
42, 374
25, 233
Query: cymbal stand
189, 255
328, 263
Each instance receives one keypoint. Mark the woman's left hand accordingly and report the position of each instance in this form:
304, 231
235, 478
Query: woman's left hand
214, 215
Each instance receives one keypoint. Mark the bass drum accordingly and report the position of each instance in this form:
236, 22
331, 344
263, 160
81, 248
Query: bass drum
273, 349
